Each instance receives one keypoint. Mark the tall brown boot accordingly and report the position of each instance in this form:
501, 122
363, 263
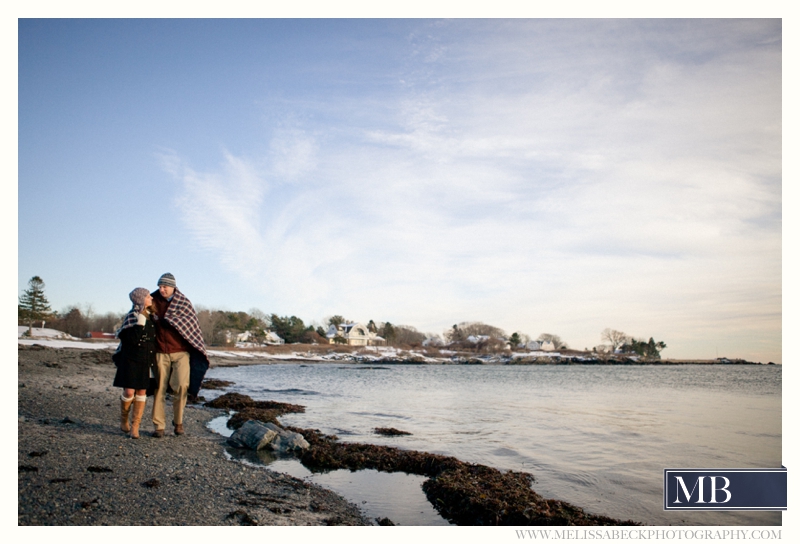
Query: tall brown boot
125, 407
138, 412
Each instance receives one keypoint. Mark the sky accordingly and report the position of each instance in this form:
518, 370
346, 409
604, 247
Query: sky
539, 175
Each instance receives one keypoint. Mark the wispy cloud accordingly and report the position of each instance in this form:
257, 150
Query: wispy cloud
552, 176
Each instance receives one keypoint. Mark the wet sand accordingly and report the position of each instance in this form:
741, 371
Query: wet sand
75, 467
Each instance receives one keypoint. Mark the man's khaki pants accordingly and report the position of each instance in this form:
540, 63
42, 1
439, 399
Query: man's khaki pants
173, 369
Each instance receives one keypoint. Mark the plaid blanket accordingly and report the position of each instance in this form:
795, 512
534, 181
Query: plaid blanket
129, 321
182, 316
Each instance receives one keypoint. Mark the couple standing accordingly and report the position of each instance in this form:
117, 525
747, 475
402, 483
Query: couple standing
160, 345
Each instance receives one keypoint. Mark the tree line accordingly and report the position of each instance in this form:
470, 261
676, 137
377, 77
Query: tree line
222, 328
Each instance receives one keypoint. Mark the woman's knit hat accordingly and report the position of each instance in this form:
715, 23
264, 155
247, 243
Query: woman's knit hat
137, 297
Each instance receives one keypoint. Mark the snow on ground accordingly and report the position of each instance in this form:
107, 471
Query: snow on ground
55, 343
57, 339
38, 332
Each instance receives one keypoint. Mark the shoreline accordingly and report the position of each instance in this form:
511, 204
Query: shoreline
322, 354
75, 467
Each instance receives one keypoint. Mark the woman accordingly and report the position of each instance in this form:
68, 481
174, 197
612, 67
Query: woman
135, 359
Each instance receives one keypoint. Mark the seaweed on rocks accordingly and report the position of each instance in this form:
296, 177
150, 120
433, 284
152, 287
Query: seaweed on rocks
257, 414
463, 493
237, 401
390, 431
266, 411
211, 383
480, 495
231, 401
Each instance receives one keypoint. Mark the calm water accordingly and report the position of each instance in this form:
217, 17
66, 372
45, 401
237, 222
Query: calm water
598, 437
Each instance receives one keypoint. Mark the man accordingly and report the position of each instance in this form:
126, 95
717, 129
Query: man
180, 350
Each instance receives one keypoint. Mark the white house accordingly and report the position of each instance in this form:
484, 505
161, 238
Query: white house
270, 338
548, 346
355, 334
433, 341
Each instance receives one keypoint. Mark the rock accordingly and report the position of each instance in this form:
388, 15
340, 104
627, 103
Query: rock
253, 435
257, 436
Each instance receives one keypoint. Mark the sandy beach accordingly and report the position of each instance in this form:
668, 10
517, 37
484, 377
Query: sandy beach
75, 467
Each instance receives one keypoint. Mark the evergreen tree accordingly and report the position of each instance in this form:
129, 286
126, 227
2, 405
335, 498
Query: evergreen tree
33, 304
515, 339
388, 332
336, 320
291, 329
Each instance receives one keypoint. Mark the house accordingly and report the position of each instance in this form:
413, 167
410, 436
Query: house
354, 334
433, 341
548, 346
270, 338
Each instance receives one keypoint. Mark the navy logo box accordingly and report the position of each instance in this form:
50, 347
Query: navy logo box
725, 489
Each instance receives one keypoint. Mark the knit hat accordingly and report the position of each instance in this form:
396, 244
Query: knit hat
137, 296
167, 279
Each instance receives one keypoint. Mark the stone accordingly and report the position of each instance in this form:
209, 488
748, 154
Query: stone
256, 436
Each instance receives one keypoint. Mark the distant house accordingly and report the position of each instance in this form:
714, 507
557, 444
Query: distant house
354, 334
433, 341
533, 345
548, 346
270, 338
100, 335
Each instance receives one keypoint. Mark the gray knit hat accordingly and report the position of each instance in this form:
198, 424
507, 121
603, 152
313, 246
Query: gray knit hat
137, 296
167, 279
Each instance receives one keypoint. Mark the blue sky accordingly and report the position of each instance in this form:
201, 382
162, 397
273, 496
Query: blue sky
557, 176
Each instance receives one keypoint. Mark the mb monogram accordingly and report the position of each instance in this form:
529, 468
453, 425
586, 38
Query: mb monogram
725, 489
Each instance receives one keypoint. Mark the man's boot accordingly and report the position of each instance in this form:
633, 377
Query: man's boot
125, 407
138, 412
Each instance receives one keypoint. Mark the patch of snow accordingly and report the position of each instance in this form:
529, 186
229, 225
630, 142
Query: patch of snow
38, 332
56, 343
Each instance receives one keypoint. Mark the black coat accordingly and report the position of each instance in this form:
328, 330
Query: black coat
136, 358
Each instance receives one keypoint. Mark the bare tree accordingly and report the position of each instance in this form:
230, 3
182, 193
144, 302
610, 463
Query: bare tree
210, 322
406, 334
108, 322
617, 339
261, 317
476, 328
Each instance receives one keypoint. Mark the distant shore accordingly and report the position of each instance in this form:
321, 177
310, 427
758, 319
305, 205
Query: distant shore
329, 353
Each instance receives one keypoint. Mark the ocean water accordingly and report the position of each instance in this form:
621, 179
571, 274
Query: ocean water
596, 436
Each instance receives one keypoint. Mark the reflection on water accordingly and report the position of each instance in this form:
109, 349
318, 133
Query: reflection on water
598, 437
397, 496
